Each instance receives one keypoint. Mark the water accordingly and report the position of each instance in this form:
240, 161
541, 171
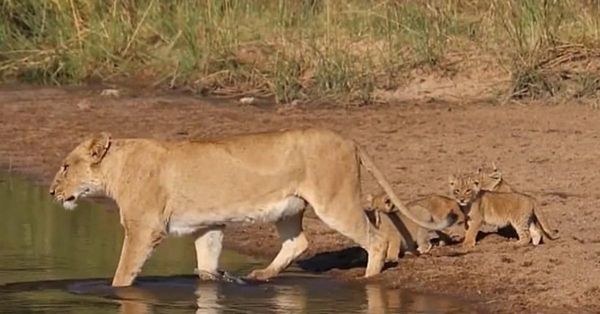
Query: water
57, 261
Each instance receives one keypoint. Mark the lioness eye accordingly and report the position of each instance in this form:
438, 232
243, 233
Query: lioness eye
65, 167
457, 191
468, 191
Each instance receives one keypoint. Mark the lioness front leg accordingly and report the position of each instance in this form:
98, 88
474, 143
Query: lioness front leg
293, 244
138, 243
208, 250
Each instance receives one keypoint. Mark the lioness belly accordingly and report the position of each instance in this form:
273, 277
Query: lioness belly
189, 222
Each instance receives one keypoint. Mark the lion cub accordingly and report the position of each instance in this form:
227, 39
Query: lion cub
492, 179
499, 209
402, 234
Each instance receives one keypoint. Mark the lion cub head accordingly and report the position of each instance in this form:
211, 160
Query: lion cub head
79, 174
491, 177
380, 202
464, 188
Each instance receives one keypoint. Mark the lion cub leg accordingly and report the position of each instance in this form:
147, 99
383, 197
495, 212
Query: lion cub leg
293, 243
536, 233
471, 233
138, 243
394, 242
522, 229
424, 241
209, 244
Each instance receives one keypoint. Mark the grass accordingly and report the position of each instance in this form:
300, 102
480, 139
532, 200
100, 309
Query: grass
296, 50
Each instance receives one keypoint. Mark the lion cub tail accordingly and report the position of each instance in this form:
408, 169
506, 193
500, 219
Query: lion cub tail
368, 163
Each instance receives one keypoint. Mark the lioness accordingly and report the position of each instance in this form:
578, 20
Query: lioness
402, 234
499, 209
196, 187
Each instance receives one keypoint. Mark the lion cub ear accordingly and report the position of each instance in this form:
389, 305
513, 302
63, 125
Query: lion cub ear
388, 203
496, 173
99, 145
452, 180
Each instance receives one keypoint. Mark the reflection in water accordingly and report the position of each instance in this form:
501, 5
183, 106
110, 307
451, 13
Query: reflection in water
207, 299
288, 294
41, 244
381, 300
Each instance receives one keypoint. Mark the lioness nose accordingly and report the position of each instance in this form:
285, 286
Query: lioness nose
52, 192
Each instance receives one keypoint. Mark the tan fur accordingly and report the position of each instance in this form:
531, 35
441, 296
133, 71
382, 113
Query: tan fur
499, 209
492, 180
401, 233
197, 187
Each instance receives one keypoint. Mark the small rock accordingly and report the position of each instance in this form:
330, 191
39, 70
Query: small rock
247, 100
110, 92
84, 105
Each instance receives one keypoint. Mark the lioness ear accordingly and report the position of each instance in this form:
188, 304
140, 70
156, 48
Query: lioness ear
98, 147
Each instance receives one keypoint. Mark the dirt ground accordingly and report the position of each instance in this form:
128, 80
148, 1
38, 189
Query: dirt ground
549, 151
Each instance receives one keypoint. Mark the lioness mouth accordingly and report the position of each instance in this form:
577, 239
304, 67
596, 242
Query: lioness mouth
70, 198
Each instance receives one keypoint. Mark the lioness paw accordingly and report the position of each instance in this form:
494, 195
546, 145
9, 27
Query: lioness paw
260, 275
206, 275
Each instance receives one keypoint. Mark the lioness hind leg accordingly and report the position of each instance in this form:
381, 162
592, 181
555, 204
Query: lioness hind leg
209, 244
349, 219
137, 246
293, 243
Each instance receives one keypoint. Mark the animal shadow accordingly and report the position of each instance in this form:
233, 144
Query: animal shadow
348, 258
507, 232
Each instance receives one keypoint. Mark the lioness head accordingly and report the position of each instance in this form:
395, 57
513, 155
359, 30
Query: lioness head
79, 174
464, 188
